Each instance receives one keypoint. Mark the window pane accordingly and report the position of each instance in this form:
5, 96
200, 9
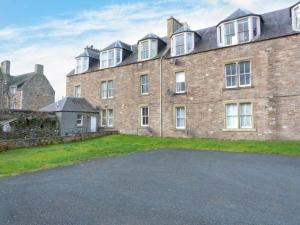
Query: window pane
104, 59
245, 76
103, 121
110, 87
144, 84
118, 55
245, 115
78, 65
229, 33
145, 49
110, 118
190, 40
180, 117
230, 70
153, 48
179, 44
77, 91
254, 22
144, 116
243, 30
231, 116
104, 89
180, 82
111, 57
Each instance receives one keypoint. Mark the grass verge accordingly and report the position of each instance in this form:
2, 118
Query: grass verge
32, 159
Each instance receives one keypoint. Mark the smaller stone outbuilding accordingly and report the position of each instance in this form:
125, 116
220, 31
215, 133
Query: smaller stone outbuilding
75, 115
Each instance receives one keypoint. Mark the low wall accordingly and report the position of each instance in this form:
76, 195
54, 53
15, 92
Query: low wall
29, 142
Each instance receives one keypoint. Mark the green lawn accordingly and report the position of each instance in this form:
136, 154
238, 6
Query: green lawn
31, 159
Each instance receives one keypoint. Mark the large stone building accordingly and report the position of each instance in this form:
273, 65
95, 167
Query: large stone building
30, 91
237, 80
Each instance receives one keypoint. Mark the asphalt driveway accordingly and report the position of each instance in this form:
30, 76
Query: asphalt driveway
166, 187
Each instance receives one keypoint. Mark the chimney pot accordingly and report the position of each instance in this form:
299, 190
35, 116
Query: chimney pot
5, 67
39, 69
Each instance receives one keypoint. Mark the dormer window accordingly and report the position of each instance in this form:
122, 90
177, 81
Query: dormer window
241, 30
296, 17
182, 43
149, 46
147, 49
110, 58
82, 64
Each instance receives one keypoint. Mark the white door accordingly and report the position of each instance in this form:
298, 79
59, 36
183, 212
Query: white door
93, 124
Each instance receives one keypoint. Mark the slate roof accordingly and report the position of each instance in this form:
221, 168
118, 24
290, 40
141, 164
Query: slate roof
70, 104
184, 28
239, 13
151, 36
20, 80
118, 44
88, 52
275, 24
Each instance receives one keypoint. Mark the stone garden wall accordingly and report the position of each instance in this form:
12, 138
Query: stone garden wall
30, 142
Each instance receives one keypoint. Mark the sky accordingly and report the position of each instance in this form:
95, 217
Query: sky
54, 32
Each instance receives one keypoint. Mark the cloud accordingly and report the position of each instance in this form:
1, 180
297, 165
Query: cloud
57, 41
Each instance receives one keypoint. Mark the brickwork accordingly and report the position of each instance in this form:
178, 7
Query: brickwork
274, 93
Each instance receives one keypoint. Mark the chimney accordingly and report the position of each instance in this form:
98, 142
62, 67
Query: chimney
5, 67
39, 69
172, 26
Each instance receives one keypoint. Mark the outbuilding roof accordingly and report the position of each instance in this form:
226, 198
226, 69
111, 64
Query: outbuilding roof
70, 104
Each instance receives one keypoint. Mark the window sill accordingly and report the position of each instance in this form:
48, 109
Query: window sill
145, 94
145, 126
237, 88
239, 130
180, 129
180, 93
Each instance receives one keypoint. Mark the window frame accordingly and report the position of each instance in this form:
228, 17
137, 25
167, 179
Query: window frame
79, 119
111, 58
144, 84
76, 88
232, 35
82, 64
184, 118
142, 116
185, 45
239, 116
244, 20
238, 74
254, 31
176, 90
106, 91
107, 118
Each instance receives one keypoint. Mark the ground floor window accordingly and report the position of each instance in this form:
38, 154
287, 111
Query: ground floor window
180, 117
107, 118
144, 116
239, 116
79, 120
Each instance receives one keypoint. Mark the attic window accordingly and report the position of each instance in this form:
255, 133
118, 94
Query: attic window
182, 43
82, 64
238, 31
296, 17
147, 49
110, 58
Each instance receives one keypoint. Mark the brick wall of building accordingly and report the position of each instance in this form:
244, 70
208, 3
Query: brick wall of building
275, 92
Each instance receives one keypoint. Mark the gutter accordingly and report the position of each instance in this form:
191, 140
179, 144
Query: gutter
160, 91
